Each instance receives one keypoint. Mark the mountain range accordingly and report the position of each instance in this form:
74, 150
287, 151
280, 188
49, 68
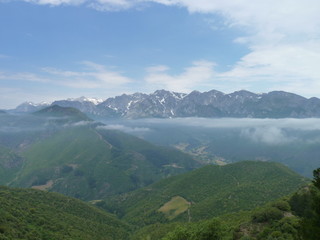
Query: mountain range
147, 191
167, 104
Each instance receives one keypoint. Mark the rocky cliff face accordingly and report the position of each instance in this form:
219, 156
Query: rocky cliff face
165, 104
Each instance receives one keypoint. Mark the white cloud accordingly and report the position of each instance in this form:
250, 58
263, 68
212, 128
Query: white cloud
201, 72
286, 16
94, 76
308, 124
11, 97
283, 37
157, 69
265, 131
290, 67
77, 124
57, 2
93, 79
100, 5
268, 135
112, 5
123, 128
25, 76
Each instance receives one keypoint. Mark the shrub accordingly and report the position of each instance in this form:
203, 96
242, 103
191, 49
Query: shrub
266, 215
282, 205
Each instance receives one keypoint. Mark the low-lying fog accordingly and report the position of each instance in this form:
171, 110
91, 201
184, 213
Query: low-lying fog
269, 131
294, 142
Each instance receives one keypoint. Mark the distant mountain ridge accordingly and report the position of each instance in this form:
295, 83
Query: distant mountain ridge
69, 113
167, 104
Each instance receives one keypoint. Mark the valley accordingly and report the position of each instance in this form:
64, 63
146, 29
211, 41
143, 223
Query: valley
159, 120
292, 142
148, 179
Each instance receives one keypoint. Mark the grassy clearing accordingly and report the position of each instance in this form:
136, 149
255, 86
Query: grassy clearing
44, 187
174, 207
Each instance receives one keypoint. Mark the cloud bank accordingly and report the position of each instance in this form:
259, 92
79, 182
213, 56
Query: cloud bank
266, 131
201, 72
124, 128
308, 124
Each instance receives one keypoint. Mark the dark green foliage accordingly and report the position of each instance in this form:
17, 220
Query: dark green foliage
285, 229
227, 222
316, 178
301, 203
212, 191
282, 205
271, 222
208, 230
154, 231
311, 220
32, 214
274, 221
267, 215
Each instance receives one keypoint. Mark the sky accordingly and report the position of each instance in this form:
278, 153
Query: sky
58, 49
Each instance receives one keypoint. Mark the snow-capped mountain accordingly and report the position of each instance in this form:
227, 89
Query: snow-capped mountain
161, 104
30, 107
121, 104
167, 104
84, 104
95, 101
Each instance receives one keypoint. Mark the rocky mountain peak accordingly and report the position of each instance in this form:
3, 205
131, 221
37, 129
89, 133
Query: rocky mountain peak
168, 104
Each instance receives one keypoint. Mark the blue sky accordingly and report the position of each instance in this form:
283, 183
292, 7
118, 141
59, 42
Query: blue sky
57, 49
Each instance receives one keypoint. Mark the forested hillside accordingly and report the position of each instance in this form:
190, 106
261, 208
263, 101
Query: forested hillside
91, 163
32, 214
206, 192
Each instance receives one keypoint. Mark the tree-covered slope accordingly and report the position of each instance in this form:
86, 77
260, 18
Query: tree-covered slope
32, 214
10, 163
207, 192
272, 221
89, 162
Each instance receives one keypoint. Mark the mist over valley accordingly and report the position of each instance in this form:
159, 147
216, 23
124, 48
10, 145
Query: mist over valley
293, 142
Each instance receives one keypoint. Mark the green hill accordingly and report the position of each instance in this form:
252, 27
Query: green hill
90, 163
274, 220
32, 214
63, 112
206, 192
